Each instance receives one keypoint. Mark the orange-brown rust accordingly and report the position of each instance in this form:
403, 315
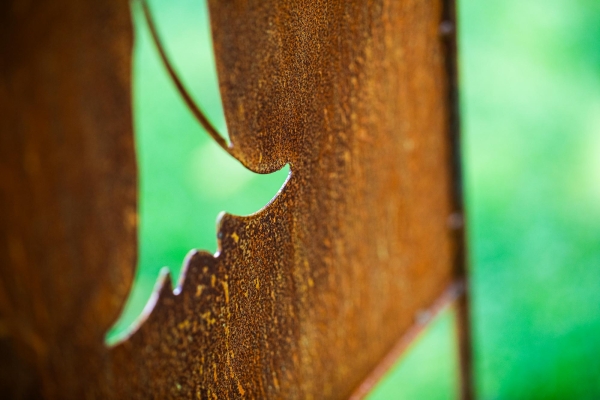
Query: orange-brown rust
354, 98
451, 296
67, 187
304, 298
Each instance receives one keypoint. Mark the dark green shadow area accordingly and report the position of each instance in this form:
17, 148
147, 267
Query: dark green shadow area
185, 179
428, 370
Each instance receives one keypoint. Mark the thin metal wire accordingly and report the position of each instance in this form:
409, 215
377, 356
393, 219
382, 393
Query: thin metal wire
194, 108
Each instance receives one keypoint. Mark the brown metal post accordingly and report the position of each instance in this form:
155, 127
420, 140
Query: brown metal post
448, 29
465, 353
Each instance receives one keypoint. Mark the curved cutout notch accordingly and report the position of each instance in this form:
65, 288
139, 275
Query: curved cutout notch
185, 180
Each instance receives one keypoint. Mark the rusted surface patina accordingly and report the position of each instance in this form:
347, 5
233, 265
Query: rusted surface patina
304, 298
307, 296
67, 190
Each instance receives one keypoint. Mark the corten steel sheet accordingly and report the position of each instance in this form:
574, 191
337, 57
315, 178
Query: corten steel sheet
304, 298
67, 190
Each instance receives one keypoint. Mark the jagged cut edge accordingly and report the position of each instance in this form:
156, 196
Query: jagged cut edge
165, 277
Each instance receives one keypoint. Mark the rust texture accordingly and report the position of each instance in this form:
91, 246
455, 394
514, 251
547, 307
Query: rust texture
449, 298
305, 298
67, 190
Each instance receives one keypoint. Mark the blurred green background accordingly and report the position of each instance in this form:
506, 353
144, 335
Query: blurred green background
530, 109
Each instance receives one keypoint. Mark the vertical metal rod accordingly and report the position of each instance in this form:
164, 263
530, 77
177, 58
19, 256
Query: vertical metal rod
448, 32
465, 352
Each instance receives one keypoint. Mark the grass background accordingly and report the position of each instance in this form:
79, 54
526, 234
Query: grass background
530, 105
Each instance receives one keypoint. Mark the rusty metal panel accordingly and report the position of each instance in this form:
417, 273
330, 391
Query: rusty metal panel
67, 187
304, 298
